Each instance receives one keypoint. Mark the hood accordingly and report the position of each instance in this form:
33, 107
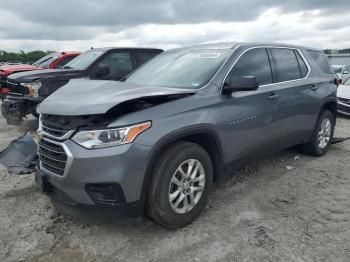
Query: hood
9, 69
89, 97
27, 77
344, 91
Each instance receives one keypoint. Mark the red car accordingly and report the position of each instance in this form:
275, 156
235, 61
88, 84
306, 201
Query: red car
54, 60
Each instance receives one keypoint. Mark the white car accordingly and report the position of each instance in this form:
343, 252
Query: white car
343, 71
344, 98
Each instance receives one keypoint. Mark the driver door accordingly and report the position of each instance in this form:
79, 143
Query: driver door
249, 115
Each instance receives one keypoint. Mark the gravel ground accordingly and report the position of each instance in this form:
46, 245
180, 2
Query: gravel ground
265, 212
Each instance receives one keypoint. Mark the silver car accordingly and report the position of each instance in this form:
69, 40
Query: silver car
344, 98
343, 71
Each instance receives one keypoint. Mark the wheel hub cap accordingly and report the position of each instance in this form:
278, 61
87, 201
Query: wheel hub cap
186, 186
324, 135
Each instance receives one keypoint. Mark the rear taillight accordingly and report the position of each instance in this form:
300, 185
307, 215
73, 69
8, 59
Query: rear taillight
338, 81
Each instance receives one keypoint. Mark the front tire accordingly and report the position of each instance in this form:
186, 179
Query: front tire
323, 135
180, 184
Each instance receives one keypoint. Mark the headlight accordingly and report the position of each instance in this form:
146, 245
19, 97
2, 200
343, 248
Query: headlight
110, 137
32, 88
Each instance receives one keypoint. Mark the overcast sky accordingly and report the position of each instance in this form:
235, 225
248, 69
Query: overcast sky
80, 24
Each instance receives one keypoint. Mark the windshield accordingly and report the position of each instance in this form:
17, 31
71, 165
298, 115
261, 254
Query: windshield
338, 69
181, 69
46, 60
84, 60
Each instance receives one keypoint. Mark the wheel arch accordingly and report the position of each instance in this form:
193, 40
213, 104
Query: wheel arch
203, 136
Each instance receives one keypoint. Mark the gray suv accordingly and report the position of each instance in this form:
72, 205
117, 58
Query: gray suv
155, 141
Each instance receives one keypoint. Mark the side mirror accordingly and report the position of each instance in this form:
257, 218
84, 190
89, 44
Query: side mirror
346, 72
243, 83
102, 70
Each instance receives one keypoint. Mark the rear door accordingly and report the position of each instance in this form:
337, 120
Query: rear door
249, 115
298, 105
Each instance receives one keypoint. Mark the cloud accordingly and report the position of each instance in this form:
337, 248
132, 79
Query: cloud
79, 24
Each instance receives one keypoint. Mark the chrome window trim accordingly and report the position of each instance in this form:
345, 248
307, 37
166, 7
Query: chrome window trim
270, 47
68, 162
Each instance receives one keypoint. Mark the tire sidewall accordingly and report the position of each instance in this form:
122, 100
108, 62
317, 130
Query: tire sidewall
166, 211
324, 115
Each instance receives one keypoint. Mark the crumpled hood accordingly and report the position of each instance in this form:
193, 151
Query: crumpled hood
344, 92
88, 97
30, 76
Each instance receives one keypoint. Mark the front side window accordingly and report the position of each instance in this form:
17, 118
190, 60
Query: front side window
119, 63
286, 63
254, 62
84, 60
190, 69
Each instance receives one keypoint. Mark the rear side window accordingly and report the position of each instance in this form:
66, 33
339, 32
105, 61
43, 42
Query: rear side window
254, 62
322, 61
119, 63
143, 57
286, 63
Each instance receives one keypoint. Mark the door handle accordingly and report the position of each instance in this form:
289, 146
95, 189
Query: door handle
273, 96
314, 87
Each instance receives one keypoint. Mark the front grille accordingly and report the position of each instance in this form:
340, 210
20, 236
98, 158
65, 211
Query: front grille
345, 109
344, 100
54, 130
52, 156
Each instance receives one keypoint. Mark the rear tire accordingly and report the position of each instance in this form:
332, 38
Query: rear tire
322, 137
180, 183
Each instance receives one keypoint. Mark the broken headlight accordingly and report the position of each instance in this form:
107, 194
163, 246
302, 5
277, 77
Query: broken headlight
110, 137
32, 88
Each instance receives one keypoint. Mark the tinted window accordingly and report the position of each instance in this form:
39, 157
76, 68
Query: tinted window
84, 60
64, 61
145, 56
287, 66
302, 66
119, 63
322, 61
256, 63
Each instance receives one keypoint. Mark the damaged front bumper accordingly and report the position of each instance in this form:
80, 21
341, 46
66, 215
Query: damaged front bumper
15, 108
106, 177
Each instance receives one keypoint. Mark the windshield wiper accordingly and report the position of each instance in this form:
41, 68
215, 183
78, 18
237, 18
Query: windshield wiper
67, 67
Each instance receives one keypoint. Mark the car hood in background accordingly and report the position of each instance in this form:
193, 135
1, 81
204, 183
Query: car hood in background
89, 97
27, 77
343, 92
9, 69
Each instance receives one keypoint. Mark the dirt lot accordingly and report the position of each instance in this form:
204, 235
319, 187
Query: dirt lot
266, 212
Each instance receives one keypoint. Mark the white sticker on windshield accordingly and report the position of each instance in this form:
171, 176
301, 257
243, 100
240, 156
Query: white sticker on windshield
210, 55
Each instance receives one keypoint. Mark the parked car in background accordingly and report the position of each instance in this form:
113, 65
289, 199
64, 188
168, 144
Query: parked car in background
155, 141
343, 71
54, 60
28, 89
344, 98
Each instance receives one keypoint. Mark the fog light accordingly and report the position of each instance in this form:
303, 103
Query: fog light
105, 194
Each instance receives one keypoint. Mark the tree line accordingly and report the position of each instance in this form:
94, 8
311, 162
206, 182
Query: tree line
22, 57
